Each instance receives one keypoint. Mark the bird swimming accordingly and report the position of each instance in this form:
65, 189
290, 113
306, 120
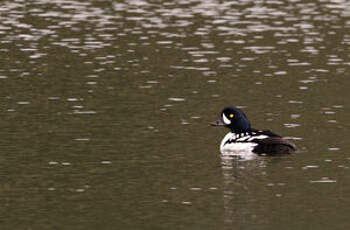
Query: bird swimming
244, 140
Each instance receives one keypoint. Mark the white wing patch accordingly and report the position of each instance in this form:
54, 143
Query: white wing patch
243, 149
257, 137
242, 139
246, 137
226, 120
239, 144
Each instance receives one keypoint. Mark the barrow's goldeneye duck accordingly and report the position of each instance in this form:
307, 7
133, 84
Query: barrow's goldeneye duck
245, 140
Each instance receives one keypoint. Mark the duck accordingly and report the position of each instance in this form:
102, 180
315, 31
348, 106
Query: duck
245, 140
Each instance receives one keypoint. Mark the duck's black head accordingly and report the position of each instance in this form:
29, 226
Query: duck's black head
234, 119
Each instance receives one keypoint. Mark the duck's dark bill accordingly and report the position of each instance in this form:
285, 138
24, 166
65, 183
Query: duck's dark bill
217, 123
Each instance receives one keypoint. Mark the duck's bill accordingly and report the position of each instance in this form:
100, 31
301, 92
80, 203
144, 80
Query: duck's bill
219, 122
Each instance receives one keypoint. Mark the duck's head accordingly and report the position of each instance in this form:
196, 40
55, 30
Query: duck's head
234, 119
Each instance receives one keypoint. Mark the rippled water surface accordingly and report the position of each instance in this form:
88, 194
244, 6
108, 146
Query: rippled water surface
105, 107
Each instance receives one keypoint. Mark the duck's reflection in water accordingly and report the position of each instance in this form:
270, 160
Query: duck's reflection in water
243, 193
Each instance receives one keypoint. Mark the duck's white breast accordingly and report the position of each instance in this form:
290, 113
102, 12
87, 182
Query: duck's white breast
236, 148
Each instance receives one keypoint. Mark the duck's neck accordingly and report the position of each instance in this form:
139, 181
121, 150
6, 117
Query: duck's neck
239, 131
241, 126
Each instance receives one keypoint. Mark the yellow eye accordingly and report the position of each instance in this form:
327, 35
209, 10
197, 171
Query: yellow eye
231, 115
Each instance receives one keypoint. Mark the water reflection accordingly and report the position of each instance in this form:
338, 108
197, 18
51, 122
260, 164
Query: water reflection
239, 191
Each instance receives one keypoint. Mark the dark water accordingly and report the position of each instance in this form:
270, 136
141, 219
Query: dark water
105, 108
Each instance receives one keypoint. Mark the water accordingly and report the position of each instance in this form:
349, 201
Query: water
105, 107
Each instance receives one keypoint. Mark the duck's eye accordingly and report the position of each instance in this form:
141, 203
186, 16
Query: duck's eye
232, 115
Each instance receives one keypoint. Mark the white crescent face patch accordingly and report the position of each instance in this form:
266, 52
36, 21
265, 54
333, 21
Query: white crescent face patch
225, 119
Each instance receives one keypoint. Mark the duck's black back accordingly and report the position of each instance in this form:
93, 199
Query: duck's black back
273, 146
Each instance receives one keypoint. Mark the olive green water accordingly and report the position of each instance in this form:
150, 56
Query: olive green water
105, 107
